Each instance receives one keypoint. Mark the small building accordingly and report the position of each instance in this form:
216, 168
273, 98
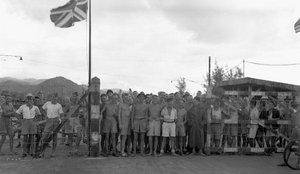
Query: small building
257, 87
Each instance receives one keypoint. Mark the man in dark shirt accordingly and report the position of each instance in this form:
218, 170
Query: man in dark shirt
261, 131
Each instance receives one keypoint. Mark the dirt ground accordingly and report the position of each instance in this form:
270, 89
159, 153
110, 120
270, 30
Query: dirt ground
215, 164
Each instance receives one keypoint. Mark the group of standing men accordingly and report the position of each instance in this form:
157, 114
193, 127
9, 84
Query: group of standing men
138, 118
30, 117
151, 124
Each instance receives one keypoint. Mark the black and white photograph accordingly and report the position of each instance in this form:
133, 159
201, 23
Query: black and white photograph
149, 86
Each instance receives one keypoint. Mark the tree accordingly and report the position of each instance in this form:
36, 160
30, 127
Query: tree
220, 74
181, 85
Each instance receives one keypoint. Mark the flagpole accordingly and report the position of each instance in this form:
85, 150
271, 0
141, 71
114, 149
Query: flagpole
90, 72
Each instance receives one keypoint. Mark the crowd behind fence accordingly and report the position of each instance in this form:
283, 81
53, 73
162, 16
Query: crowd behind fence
230, 124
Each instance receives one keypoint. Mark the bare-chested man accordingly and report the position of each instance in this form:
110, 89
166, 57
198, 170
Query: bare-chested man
8, 112
110, 124
124, 123
139, 122
154, 124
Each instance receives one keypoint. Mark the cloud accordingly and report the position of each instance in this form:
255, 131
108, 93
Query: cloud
145, 44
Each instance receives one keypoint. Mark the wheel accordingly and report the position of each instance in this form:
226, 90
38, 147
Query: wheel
291, 155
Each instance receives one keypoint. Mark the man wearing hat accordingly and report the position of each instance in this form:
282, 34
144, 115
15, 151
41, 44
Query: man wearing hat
8, 111
54, 112
28, 112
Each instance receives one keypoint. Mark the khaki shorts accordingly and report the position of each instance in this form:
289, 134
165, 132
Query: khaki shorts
154, 128
73, 125
231, 129
140, 125
110, 126
51, 124
180, 130
168, 129
5, 126
216, 131
28, 127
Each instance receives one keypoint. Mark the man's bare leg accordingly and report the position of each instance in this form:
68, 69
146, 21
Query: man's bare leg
142, 143
135, 143
3, 138
54, 141
173, 139
128, 144
107, 144
181, 145
78, 139
114, 144
123, 144
151, 145
70, 139
11, 144
163, 146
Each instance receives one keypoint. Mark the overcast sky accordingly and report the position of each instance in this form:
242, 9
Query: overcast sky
147, 44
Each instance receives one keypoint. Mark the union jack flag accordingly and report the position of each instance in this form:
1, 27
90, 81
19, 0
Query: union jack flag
297, 26
66, 15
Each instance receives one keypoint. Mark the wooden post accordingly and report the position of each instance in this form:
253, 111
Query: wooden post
95, 118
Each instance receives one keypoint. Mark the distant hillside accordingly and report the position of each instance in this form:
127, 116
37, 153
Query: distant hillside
60, 85
64, 87
16, 86
29, 81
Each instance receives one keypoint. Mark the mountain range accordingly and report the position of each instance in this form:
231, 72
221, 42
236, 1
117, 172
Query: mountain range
62, 86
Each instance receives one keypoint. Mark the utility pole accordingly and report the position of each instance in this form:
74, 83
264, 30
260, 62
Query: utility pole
209, 76
90, 72
244, 68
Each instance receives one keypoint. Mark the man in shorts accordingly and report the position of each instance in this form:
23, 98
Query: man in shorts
103, 99
124, 123
53, 114
216, 125
180, 125
154, 124
169, 117
139, 119
74, 127
28, 112
8, 112
110, 128
40, 118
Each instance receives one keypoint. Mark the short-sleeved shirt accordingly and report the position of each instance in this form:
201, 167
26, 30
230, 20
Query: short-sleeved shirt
217, 114
254, 114
53, 110
27, 112
166, 115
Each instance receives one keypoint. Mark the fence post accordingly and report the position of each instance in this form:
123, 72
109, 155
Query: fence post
95, 117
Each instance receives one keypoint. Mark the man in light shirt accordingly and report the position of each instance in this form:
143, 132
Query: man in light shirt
53, 113
28, 112
169, 117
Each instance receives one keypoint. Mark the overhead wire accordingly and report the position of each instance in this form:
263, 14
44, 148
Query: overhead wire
269, 64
